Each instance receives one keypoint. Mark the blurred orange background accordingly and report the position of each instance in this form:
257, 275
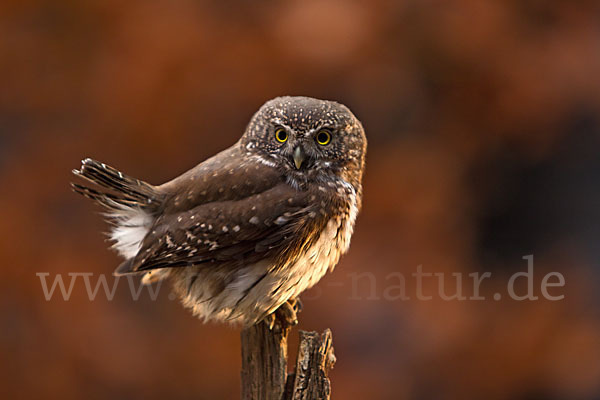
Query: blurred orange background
484, 140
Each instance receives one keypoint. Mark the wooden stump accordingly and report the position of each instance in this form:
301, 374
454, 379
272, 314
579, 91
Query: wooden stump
264, 365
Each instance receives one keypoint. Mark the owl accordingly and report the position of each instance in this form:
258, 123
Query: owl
243, 233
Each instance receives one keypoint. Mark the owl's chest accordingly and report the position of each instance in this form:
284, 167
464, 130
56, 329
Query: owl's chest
325, 252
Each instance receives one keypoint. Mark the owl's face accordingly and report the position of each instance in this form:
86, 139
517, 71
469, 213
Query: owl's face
308, 139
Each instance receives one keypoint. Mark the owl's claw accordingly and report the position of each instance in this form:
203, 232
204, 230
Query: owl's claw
285, 316
270, 321
296, 304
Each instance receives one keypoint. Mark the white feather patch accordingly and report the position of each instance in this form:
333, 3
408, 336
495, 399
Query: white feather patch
131, 227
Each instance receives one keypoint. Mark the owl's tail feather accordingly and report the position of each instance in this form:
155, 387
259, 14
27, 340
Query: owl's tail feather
115, 189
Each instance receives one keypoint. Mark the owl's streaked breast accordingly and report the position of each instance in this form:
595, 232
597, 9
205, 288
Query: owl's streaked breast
321, 257
324, 254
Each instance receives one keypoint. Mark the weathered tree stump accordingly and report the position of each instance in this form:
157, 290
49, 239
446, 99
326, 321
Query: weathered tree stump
264, 365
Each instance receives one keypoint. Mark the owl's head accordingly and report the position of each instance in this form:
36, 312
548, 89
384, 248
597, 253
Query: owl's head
308, 139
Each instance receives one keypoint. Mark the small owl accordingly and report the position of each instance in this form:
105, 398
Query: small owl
245, 232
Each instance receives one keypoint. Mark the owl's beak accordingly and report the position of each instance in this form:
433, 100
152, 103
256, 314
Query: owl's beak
299, 156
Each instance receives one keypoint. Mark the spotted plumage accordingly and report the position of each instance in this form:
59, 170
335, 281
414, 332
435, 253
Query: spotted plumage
252, 227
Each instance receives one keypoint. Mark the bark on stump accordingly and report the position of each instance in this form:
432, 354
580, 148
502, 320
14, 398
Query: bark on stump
264, 365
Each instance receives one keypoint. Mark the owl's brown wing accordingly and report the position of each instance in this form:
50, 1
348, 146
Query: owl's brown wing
269, 224
230, 175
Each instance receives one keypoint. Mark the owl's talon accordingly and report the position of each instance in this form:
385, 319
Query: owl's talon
270, 321
297, 304
286, 314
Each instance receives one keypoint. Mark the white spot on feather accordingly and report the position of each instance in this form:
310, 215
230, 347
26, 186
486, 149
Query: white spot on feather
264, 161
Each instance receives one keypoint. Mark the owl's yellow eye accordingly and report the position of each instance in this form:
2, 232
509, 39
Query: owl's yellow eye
324, 137
281, 135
